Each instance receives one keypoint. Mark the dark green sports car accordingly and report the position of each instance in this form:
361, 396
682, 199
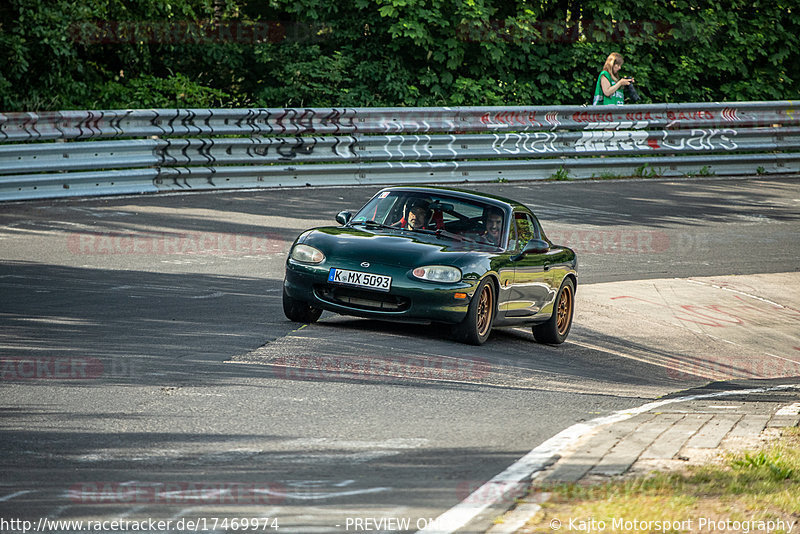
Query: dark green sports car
430, 254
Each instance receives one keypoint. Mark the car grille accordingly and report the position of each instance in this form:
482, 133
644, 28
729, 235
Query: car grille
361, 299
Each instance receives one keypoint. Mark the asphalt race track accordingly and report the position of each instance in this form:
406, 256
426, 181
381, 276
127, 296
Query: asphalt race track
148, 372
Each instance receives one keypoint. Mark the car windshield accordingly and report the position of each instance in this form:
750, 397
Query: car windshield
443, 215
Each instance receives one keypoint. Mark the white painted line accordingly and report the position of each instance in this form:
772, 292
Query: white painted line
536, 460
214, 295
131, 511
14, 495
738, 292
792, 409
320, 495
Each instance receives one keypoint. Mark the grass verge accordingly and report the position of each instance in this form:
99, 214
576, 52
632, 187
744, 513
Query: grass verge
755, 491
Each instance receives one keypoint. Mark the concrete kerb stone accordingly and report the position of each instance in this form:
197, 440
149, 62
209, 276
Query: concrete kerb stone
662, 435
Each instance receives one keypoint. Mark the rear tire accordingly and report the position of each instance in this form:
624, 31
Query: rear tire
477, 325
556, 329
299, 311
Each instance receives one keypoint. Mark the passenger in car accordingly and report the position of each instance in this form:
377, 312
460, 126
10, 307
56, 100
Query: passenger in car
493, 222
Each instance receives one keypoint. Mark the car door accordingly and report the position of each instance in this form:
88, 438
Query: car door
531, 289
504, 268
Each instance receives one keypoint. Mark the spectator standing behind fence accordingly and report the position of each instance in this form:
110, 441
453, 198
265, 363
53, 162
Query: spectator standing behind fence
609, 85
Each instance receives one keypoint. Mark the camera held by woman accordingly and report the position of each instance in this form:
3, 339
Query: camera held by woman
609, 87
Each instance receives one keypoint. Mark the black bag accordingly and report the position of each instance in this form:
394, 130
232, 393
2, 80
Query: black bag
633, 94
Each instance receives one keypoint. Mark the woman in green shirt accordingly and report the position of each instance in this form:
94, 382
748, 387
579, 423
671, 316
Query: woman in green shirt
609, 85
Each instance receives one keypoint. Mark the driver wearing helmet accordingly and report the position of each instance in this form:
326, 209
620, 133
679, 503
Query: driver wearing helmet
417, 217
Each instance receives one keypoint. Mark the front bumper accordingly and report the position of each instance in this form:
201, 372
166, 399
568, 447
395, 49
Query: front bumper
409, 299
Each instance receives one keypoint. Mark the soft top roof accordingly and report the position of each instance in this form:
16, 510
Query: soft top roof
504, 203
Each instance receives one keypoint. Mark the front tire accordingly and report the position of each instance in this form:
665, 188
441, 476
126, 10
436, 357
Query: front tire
556, 329
477, 325
298, 310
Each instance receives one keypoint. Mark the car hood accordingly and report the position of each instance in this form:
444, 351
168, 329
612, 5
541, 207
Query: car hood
389, 247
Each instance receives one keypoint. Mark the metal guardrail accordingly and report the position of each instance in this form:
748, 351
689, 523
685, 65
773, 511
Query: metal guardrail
70, 153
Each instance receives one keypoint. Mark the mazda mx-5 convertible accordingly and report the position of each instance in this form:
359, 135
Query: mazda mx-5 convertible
430, 254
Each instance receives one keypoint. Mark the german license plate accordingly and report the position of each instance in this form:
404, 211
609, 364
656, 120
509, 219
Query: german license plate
378, 282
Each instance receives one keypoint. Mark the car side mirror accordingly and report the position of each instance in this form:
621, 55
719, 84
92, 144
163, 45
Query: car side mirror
534, 246
343, 217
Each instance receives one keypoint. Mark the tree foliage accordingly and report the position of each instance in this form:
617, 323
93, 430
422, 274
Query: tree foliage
61, 54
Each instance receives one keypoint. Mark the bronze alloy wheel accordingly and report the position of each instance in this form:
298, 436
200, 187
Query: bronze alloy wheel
484, 315
477, 324
564, 311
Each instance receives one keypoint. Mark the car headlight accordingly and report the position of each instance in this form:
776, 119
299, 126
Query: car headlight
307, 254
438, 273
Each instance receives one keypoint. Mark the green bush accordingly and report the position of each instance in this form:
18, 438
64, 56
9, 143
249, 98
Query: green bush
60, 54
